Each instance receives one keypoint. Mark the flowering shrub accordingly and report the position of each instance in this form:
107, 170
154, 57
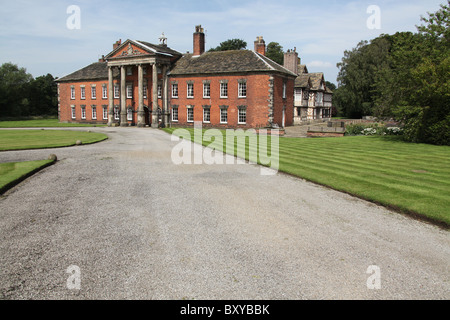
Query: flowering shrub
371, 130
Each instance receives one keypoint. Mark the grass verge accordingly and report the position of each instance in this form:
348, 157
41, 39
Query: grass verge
40, 123
12, 173
40, 139
410, 178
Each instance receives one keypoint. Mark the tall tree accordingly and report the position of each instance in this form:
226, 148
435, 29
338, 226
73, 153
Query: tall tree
275, 52
43, 96
231, 44
14, 87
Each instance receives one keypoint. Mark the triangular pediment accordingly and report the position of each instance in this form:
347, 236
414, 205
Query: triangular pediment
130, 48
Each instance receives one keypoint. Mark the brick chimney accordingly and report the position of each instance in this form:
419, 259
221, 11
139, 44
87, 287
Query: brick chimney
260, 45
117, 44
199, 41
291, 60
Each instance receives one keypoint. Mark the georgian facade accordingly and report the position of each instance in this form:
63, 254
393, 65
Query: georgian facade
143, 84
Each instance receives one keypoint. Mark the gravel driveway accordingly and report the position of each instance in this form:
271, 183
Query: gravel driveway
136, 226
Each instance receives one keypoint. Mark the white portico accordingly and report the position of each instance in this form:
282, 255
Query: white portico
152, 63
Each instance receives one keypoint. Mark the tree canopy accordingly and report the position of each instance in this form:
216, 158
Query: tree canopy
274, 51
231, 44
404, 76
22, 96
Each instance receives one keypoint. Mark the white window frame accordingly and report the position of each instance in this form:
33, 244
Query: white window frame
206, 114
224, 89
105, 113
94, 92
72, 93
129, 114
207, 90
129, 90
116, 91
190, 91
284, 90
116, 113
94, 112
83, 113
239, 115
174, 90
73, 112
159, 91
189, 110
175, 114
104, 92
83, 92
242, 90
222, 112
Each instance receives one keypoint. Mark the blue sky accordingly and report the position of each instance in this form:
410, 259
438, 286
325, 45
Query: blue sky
34, 33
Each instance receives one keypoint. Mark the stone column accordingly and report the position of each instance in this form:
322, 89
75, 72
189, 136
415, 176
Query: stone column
140, 114
155, 97
123, 97
110, 97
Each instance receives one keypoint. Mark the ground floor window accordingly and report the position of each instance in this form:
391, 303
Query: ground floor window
175, 114
223, 115
130, 114
206, 114
73, 113
116, 113
105, 113
242, 116
94, 113
83, 112
190, 114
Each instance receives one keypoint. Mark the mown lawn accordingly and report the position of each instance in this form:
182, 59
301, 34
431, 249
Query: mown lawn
411, 178
39, 139
15, 171
49, 123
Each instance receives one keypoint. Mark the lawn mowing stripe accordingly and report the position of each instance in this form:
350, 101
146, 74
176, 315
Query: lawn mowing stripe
375, 168
387, 181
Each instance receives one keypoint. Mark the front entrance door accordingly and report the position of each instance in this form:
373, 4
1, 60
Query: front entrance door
147, 116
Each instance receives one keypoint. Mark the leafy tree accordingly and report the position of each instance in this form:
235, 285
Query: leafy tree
43, 96
420, 72
14, 87
274, 51
231, 44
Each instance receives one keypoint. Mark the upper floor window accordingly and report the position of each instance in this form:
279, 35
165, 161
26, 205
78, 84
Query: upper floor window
129, 91
104, 92
284, 90
206, 90
144, 91
83, 92
159, 91
175, 90
116, 91
242, 89
190, 90
224, 89
94, 92
72, 92
129, 71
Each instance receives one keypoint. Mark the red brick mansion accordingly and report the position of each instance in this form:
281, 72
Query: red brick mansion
143, 84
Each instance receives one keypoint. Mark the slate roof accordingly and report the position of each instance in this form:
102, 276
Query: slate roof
232, 61
302, 81
158, 48
94, 71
